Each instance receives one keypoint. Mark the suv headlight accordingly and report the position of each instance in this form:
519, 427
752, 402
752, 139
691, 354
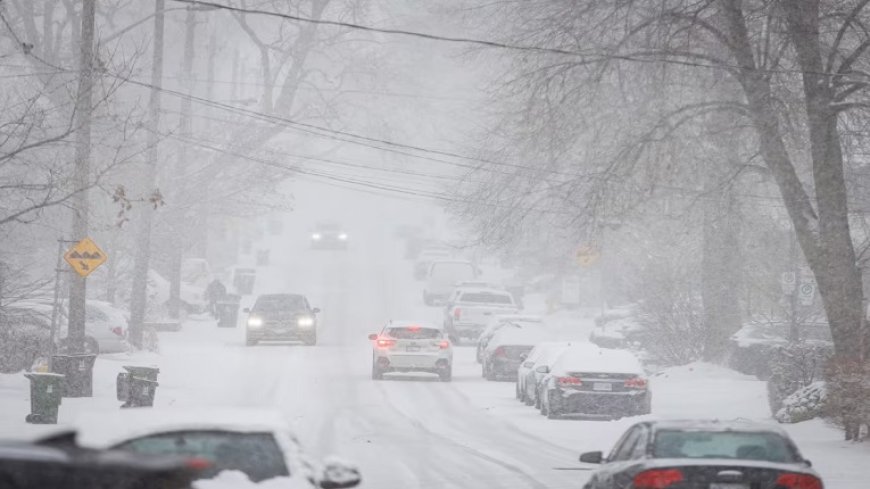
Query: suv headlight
255, 322
305, 322
316, 236
342, 237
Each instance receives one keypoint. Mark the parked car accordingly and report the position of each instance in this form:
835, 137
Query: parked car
618, 328
329, 235
595, 382
281, 317
257, 443
425, 259
499, 321
411, 346
105, 324
528, 378
469, 311
507, 349
751, 348
442, 277
25, 335
702, 454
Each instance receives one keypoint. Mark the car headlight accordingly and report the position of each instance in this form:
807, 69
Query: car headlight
305, 322
342, 236
255, 322
316, 236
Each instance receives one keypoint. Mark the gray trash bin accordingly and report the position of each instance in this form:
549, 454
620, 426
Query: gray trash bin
78, 372
137, 386
228, 311
46, 394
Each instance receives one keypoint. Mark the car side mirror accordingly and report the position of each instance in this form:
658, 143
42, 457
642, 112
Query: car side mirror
543, 369
592, 457
246, 310
523, 356
373, 336
316, 310
808, 463
339, 475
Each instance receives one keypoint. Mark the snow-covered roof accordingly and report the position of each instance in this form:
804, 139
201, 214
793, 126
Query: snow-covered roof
407, 323
590, 358
517, 336
105, 429
717, 425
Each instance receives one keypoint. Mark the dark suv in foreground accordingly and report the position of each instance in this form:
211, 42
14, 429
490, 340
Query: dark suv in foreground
281, 317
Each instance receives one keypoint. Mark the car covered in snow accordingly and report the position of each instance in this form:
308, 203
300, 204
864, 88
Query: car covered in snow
528, 375
329, 235
751, 348
618, 328
508, 348
258, 443
281, 317
595, 382
411, 346
499, 321
702, 454
443, 277
427, 257
469, 311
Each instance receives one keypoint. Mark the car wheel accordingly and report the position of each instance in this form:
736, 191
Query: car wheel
446, 375
311, 340
552, 409
527, 399
490, 373
545, 410
376, 373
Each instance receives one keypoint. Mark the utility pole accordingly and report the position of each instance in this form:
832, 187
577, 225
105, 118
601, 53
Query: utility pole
81, 177
184, 130
138, 295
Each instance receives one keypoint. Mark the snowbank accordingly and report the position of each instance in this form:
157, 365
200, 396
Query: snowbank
233, 479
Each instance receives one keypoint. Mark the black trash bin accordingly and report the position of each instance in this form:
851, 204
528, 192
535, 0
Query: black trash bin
228, 311
243, 280
46, 394
78, 371
262, 258
137, 386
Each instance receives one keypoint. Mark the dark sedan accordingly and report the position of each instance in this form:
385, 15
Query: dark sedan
281, 317
702, 455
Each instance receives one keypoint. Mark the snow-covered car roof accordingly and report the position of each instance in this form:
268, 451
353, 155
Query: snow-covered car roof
548, 350
586, 357
483, 290
716, 425
408, 323
517, 336
105, 429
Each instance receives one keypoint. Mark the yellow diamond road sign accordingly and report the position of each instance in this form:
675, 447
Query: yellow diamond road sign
587, 256
85, 257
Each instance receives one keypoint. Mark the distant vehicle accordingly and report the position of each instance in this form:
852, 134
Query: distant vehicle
442, 278
425, 259
409, 346
751, 348
702, 454
595, 382
498, 321
281, 317
469, 311
257, 443
105, 324
196, 272
528, 378
45, 466
25, 335
620, 329
508, 348
405, 231
329, 235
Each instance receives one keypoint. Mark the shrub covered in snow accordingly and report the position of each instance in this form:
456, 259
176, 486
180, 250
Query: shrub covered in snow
806, 403
848, 386
794, 366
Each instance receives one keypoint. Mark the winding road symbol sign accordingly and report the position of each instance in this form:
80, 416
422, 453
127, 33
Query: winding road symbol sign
85, 257
587, 256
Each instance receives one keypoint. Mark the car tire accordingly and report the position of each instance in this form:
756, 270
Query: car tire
311, 340
376, 373
527, 400
517, 394
446, 375
489, 374
552, 411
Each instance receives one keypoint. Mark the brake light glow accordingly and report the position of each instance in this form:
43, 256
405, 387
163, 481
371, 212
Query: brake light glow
570, 381
197, 463
384, 343
118, 331
499, 352
798, 481
456, 313
414, 327
636, 383
444, 344
657, 478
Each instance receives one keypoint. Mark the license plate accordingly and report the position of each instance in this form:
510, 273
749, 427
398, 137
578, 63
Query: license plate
607, 386
728, 485
413, 348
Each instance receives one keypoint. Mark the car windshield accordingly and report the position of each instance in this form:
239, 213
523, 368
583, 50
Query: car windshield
413, 333
485, 298
255, 454
768, 447
281, 303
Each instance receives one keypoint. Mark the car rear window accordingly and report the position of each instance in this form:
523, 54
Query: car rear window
740, 445
414, 333
255, 454
486, 298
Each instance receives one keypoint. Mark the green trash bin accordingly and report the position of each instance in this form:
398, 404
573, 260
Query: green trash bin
78, 371
137, 386
46, 394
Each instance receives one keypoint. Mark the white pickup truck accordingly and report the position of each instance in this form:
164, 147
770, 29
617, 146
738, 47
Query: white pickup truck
469, 310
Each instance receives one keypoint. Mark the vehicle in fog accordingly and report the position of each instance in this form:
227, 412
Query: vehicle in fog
470, 309
595, 382
426, 258
258, 443
411, 346
443, 277
751, 348
499, 321
508, 347
281, 317
708, 454
329, 235
528, 377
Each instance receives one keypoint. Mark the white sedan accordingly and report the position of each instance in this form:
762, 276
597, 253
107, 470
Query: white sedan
411, 346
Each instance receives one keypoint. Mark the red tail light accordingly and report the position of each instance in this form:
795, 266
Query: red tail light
382, 343
456, 313
657, 478
118, 331
499, 352
570, 381
798, 481
197, 463
444, 344
636, 383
